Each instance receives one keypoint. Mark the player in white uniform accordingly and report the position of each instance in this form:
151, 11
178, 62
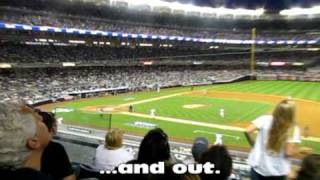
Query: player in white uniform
152, 112
221, 112
218, 139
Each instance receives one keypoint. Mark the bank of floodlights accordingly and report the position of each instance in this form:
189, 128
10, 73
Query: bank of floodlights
301, 11
191, 8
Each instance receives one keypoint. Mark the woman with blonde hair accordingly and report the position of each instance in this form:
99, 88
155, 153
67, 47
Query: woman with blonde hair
277, 135
111, 154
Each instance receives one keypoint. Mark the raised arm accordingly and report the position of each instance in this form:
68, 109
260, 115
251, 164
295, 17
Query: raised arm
249, 133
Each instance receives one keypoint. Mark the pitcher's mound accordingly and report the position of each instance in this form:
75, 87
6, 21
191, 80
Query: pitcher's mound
193, 106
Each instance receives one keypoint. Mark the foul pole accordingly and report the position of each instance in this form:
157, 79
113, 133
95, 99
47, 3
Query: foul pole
253, 51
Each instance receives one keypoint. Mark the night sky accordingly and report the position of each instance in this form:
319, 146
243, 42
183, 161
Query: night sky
253, 4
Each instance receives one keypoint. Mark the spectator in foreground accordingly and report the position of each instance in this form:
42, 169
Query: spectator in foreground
275, 142
23, 137
55, 160
200, 145
310, 168
154, 147
220, 157
111, 154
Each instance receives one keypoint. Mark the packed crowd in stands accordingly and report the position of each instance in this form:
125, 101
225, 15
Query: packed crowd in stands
81, 22
28, 151
53, 83
34, 85
88, 54
23, 53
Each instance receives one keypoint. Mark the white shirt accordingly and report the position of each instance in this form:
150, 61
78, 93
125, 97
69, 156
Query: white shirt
106, 159
218, 139
260, 159
152, 112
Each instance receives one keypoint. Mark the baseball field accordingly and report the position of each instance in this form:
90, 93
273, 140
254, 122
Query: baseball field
186, 113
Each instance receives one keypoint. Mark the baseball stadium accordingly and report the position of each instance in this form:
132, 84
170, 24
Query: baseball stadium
209, 69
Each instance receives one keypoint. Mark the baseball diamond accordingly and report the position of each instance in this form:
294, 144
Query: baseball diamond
195, 111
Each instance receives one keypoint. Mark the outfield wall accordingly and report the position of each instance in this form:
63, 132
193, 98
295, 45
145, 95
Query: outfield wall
287, 77
102, 92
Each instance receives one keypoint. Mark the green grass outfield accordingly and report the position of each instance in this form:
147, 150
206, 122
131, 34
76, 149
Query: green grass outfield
172, 107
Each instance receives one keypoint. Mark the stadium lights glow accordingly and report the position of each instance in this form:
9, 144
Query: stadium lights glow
270, 42
234, 41
278, 63
297, 64
163, 37
290, 42
134, 35
5, 65
144, 36
197, 62
27, 27
77, 42
166, 45
147, 63
145, 44
248, 42
56, 29
312, 42
263, 63
180, 38
43, 28
82, 31
60, 44
301, 42
244, 12
68, 64
191, 8
9, 26
36, 43
280, 42
41, 40
123, 44
313, 49
300, 11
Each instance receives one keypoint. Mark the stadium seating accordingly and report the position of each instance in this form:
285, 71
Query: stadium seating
55, 83
46, 18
